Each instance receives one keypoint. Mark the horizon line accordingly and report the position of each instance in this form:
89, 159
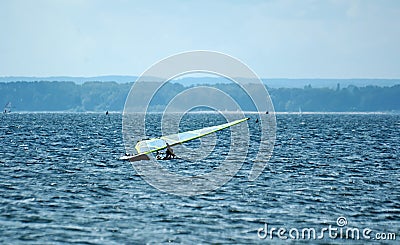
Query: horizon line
216, 77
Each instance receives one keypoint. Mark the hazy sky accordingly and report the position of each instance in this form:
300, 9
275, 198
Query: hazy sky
292, 39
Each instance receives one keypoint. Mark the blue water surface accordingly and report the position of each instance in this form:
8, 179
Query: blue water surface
61, 182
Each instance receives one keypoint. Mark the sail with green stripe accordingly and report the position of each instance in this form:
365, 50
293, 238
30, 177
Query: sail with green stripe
157, 144
145, 147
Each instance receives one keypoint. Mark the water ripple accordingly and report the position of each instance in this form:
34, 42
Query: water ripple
61, 182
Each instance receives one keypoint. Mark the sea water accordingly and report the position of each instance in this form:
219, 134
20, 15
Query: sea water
61, 182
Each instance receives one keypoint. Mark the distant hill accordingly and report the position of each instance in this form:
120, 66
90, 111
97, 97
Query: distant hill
327, 83
102, 96
77, 80
189, 81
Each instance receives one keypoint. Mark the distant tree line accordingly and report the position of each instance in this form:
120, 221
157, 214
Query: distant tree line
350, 99
102, 96
64, 96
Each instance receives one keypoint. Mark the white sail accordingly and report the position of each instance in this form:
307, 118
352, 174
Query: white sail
7, 108
147, 146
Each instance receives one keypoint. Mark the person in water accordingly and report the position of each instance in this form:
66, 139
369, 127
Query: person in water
169, 153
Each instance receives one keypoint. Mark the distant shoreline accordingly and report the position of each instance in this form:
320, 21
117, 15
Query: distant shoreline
211, 112
190, 81
102, 96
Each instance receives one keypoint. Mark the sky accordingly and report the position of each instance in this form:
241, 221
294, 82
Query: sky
275, 38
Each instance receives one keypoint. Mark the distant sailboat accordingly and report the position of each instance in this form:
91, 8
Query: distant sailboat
7, 108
